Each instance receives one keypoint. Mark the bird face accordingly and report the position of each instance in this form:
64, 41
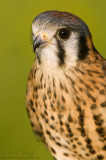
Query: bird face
59, 38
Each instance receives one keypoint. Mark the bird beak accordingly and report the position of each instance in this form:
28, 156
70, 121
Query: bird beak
39, 41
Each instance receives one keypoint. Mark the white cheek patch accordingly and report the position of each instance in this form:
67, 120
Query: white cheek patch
71, 49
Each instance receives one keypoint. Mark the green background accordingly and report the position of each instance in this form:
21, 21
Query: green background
16, 59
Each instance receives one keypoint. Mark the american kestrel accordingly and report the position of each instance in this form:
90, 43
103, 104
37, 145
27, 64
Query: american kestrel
66, 89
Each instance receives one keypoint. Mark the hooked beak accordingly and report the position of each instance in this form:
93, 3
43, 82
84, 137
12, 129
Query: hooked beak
38, 41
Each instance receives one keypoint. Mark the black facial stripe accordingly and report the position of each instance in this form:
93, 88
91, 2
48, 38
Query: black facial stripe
83, 48
61, 53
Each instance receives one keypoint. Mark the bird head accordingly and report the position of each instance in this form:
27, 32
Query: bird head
60, 38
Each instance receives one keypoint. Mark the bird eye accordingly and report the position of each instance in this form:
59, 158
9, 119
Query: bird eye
64, 33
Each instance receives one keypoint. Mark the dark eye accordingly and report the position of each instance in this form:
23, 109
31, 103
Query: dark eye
64, 33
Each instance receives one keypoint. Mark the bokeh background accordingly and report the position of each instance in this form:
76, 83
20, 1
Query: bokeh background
16, 59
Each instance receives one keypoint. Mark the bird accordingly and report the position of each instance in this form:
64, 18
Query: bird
66, 89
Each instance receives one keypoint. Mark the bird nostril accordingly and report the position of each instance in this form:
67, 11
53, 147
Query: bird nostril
44, 36
39, 40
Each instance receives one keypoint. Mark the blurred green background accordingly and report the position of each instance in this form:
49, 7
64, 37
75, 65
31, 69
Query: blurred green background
16, 59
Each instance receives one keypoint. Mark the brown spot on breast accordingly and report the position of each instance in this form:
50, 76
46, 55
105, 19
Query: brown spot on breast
93, 106
52, 106
91, 97
45, 113
61, 86
61, 123
103, 104
104, 148
55, 94
46, 120
92, 81
98, 120
70, 118
100, 131
30, 102
100, 157
53, 151
48, 132
66, 154
63, 99
66, 90
52, 117
102, 92
59, 144
104, 67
